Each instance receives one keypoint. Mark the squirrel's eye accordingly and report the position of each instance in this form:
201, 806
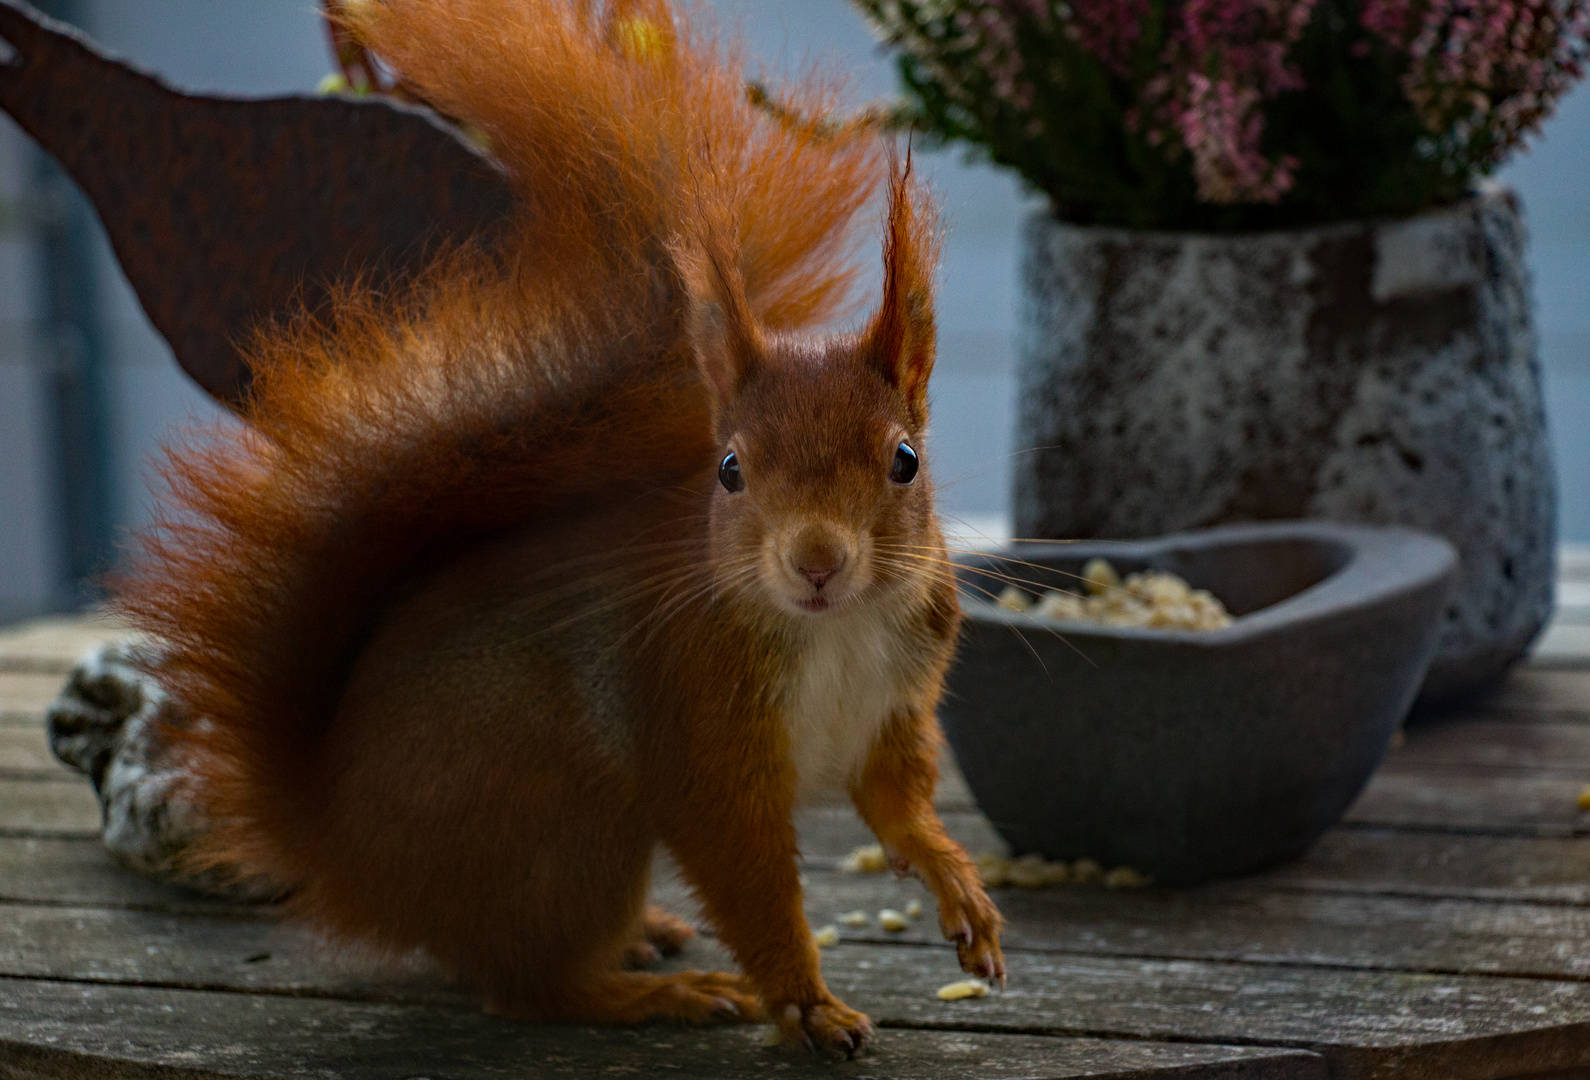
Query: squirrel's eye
904, 470
729, 475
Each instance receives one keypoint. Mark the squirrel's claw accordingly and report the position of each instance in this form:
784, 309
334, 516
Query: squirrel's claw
972, 923
831, 1028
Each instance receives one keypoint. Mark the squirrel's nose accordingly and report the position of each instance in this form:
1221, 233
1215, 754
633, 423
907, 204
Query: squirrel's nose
817, 575
817, 556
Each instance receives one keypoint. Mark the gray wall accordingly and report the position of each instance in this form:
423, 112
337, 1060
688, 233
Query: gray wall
276, 46
30, 561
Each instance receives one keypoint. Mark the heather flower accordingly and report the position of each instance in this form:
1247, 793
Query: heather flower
1237, 113
1225, 58
1484, 73
1110, 30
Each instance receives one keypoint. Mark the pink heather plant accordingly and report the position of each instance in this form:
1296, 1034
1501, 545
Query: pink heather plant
1225, 58
1237, 113
1494, 69
1110, 30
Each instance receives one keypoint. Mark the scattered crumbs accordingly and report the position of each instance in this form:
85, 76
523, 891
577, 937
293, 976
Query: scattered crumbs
1033, 871
991, 867
854, 918
913, 910
1087, 871
966, 988
892, 921
1584, 798
826, 937
1124, 877
868, 859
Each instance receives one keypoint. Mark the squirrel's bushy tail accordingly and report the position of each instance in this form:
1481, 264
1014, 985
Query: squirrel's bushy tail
507, 386
621, 121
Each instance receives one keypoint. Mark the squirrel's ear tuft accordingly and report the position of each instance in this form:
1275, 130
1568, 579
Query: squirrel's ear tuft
901, 340
724, 333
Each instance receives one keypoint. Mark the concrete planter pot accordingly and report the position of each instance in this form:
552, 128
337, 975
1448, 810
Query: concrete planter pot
1381, 372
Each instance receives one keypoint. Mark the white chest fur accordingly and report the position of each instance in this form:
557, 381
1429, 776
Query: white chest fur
847, 682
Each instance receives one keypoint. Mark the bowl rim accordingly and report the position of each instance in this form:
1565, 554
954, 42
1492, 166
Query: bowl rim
1385, 562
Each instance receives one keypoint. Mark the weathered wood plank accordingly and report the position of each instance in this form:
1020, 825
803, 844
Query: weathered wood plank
243, 950
1546, 746
52, 645
1549, 870
1413, 1027
25, 752
143, 940
1359, 859
28, 693
79, 872
46, 1028
1479, 801
1269, 916
1562, 693
1245, 922
63, 806
1360, 1020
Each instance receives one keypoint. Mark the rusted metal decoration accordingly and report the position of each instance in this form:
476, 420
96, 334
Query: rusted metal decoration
227, 213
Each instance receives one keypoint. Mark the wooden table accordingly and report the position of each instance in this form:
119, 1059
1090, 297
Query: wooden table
1443, 931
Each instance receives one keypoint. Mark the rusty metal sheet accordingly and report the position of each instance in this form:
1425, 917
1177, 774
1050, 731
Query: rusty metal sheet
227, 212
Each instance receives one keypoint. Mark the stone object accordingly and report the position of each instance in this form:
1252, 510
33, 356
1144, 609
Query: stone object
1195, 754
1381, 372
114, 724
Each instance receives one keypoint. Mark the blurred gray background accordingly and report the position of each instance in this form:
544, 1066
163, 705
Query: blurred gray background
265, 47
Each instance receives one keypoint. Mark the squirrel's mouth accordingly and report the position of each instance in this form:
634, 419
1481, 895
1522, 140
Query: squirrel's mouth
815, 604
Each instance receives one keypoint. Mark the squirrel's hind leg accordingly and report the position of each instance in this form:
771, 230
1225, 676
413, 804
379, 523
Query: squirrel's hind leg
660, 933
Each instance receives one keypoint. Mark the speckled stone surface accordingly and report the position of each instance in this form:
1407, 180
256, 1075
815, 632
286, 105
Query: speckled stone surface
1373, 372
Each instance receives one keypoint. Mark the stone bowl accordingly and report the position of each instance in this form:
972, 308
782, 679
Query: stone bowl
1190, 755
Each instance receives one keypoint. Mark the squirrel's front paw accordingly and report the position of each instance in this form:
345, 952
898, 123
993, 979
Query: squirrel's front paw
972, 922
830, 1027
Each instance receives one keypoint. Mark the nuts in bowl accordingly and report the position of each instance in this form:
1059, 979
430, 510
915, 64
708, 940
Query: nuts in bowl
1155, 598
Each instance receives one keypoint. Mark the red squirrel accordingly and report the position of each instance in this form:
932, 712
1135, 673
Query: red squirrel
585, 545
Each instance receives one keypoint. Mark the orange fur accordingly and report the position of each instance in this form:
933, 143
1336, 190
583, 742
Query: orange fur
470, 619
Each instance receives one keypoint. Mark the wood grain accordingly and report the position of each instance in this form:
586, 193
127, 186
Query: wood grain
28, 693
1356, 1018
1442, 932
1486, 743
78, 871
51, 645
63, 806
1500, 803
1355, 860
1393, 862
1414, 1027
25, 753
47, 1028
1246, 922
1542, 693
